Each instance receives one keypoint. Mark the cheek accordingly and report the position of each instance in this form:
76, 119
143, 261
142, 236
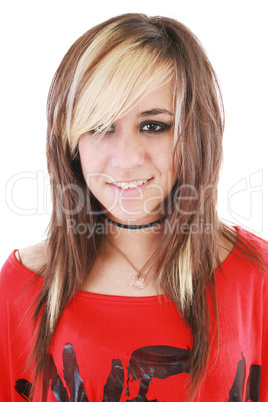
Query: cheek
164, 160
90, 163
89, 169
85, 165
93, 156
166, 167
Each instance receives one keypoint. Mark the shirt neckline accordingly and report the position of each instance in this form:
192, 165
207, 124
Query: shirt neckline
107, 297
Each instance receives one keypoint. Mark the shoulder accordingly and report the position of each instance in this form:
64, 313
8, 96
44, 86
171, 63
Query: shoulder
259, 245
32, 257
247, 264
247, 261
242, 280
17, 276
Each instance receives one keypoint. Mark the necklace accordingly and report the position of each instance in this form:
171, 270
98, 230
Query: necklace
121, 225
137, 281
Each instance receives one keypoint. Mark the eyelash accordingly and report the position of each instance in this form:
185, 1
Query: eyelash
163, 127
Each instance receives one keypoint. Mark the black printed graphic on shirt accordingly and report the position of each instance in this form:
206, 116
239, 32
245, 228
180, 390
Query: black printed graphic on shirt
145, 364
253, 383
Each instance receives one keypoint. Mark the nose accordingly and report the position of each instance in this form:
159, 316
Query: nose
129, 151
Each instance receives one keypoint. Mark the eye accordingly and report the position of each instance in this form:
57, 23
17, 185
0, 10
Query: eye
110, 130
99, 132
154, 127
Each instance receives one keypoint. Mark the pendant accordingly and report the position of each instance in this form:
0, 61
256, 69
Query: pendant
137, 282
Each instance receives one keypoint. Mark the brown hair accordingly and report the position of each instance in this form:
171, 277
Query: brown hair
163, 50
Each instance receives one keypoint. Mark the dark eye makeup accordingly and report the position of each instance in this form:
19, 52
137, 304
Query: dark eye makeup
154, 127
148, 126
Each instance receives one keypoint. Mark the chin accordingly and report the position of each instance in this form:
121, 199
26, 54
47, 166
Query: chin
135, 219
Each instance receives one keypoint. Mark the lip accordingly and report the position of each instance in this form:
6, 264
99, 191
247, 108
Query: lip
130, 192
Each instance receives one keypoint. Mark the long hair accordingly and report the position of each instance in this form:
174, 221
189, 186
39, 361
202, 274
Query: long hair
104, 73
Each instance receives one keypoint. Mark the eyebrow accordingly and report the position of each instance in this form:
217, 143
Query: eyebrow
155, 112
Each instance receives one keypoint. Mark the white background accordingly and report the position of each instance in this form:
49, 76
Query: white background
35, 36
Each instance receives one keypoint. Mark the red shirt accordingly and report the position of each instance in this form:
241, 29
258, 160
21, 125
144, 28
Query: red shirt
118, 348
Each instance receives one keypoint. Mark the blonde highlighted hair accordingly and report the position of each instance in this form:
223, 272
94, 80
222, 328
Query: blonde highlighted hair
106, 84
102, 76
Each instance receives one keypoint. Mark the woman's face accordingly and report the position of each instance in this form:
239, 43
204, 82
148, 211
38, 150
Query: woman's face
130, 170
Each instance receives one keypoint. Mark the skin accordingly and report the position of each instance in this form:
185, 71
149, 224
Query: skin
136, 147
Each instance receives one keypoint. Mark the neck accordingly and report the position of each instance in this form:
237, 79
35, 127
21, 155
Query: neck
112, 272
137, 243
134, 227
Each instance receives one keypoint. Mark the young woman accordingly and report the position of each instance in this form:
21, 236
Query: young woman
140, 292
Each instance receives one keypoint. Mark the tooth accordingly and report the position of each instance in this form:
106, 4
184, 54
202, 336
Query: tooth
133, 184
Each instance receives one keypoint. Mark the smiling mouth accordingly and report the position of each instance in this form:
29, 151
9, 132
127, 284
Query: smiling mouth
132, 184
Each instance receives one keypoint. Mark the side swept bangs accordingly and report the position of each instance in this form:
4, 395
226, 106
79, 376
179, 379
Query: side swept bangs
105, 87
